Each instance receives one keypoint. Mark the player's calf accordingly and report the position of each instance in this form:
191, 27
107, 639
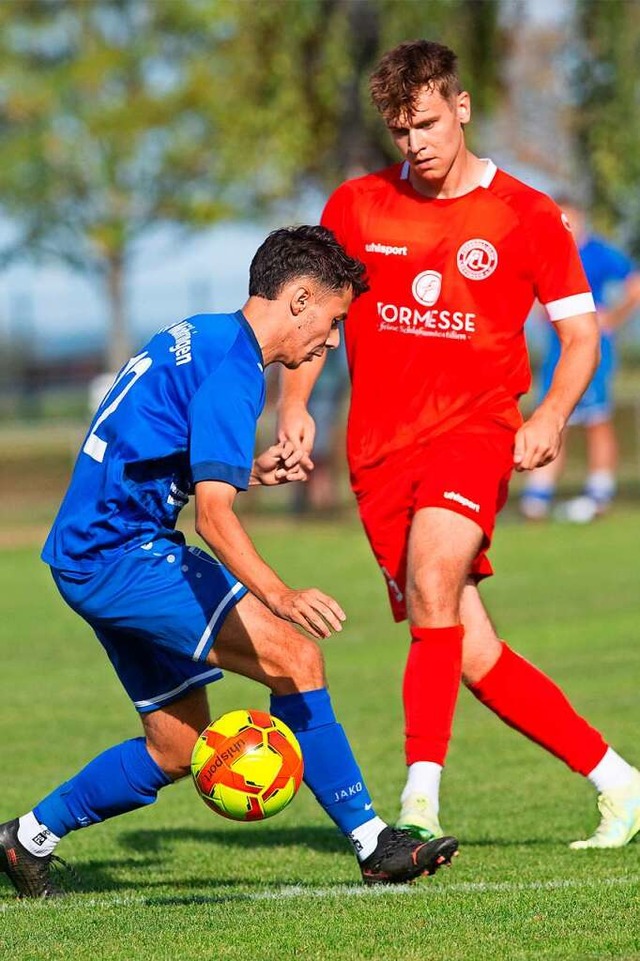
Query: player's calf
171, 732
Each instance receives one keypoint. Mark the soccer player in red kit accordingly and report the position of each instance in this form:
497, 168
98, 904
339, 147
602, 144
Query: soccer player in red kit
456, 251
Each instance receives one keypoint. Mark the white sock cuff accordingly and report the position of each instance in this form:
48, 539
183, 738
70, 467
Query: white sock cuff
36, 837
602, 476
601, 484
423, 777
611, 772
538, 487
365, 837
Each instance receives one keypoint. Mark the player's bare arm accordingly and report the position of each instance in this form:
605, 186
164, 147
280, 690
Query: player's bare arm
220, 528
538, 441
295, 423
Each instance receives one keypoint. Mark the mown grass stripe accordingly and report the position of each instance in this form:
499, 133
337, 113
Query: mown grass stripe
339, 891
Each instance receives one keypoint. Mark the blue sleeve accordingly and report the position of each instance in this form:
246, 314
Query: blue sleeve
222, 424
615, 265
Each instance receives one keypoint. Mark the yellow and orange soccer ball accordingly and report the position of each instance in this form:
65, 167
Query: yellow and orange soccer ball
247, 765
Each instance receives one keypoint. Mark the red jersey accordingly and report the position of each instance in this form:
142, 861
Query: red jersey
439, 338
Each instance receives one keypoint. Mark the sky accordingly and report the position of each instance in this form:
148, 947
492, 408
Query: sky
172, 276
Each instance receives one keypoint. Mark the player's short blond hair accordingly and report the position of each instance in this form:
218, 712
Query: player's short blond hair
403, 72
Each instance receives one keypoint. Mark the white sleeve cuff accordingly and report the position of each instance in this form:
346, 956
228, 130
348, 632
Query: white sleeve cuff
570, 306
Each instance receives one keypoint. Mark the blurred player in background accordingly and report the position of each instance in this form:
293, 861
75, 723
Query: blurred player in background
456, 253
321, 492
181, 419
604, 265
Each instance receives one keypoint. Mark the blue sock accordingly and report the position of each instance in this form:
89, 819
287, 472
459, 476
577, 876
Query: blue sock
121, 779
330, 769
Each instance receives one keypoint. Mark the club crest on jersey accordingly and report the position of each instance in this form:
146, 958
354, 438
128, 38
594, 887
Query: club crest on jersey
477, 259
426, 287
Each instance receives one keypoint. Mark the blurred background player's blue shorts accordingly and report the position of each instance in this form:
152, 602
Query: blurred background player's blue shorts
596, 404
326, 401
156, 611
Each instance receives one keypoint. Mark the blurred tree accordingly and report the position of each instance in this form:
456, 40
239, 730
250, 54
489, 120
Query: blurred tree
118, 115
307, 75
607, 88
106, 130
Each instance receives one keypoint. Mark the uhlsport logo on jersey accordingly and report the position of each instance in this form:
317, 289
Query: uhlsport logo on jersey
426, 287
477, 259
389, 250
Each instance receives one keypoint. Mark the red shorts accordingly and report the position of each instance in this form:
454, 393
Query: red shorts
466, 470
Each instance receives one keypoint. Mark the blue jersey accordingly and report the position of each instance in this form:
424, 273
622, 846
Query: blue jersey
603, 264
183, 410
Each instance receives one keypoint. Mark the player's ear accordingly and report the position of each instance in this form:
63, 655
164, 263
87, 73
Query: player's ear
463, 107
300, 297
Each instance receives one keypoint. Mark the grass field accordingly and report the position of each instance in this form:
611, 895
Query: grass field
176, 882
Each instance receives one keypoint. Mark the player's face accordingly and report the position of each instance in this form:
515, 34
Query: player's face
317, 327
431, 138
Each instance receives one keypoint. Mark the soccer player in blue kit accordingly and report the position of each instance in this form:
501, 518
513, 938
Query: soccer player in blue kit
180, 418
605, 266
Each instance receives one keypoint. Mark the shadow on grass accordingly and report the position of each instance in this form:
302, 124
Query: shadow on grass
158, 861
324, 839
159, 852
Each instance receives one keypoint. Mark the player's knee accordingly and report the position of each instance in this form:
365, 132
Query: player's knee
433, 591
301, 670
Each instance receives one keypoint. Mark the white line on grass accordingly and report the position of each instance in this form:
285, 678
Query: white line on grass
463, 887
339, 891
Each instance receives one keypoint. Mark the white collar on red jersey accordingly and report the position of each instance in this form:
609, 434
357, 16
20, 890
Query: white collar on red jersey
490, 171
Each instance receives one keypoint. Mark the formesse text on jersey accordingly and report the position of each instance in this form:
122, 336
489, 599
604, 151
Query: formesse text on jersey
456, 324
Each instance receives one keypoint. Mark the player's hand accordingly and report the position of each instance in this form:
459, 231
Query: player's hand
538, 441
296, 425
281, 464
315, 612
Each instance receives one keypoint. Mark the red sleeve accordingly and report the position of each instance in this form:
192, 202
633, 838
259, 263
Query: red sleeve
558, 276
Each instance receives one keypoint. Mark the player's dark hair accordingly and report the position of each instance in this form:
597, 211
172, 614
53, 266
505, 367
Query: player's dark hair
305, 251
396, 82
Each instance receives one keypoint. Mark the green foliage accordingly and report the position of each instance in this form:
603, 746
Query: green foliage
118, 115
307, 75
107, 119
607, 85
107, 122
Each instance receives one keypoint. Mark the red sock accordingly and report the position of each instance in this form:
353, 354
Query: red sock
430, 690
529, 701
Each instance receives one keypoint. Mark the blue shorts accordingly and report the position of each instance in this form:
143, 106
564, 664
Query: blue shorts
156, 611
596, 404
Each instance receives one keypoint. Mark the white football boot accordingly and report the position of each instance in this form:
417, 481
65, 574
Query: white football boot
620, 817
418, 816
